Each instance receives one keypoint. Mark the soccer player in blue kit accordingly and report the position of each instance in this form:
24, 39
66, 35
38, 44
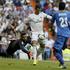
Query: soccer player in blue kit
62, 18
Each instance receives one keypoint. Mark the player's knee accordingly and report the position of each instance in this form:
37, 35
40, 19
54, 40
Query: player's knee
55, 50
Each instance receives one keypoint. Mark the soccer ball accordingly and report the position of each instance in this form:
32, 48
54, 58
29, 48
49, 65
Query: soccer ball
42, 37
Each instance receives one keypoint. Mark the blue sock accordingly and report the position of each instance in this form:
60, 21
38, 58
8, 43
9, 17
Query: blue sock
59, 58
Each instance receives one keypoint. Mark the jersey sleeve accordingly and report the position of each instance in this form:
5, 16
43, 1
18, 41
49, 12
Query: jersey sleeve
46, 15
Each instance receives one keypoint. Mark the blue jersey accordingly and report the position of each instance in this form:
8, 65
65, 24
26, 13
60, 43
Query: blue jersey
62, 19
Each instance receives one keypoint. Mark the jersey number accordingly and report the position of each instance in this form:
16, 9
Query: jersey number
63, 22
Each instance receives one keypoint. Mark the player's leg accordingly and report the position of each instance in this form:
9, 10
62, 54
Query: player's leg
41, 41
22, 47
34, 45
34, 54
58, 49
39, 52
12, 48
65, 44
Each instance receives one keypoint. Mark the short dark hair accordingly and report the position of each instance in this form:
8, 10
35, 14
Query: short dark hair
23, 33
62, 6
38, 7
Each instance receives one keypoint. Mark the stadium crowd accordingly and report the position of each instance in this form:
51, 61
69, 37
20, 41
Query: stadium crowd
14, 27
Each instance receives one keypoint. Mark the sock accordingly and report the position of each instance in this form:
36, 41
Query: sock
59, 58
34, 53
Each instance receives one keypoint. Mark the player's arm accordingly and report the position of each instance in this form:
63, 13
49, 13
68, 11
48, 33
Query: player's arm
51, 20
47, 19
47, 16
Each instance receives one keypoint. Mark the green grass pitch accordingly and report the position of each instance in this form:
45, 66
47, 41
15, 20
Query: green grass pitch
15, 64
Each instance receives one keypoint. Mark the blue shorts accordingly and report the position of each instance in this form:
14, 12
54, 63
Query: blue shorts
60, 43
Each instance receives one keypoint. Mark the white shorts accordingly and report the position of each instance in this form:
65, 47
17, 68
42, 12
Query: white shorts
35, 35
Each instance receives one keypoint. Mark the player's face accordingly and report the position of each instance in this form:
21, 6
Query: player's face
24, 37
37, 11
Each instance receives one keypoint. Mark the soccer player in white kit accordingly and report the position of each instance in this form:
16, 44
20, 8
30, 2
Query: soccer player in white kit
36, 23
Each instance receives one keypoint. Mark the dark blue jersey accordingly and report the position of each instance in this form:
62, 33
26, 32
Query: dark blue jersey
62, 19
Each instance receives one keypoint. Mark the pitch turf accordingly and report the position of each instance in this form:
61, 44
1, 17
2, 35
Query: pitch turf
14, 64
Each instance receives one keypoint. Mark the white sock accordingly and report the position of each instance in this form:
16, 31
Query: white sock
34, 52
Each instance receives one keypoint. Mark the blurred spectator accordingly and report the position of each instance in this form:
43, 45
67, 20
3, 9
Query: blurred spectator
18, 4
19, 44
68, 5
2, 2
28, 8
68, 42
44, 4
49, 11
49, 42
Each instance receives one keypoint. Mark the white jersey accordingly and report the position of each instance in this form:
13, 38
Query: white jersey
36, 22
